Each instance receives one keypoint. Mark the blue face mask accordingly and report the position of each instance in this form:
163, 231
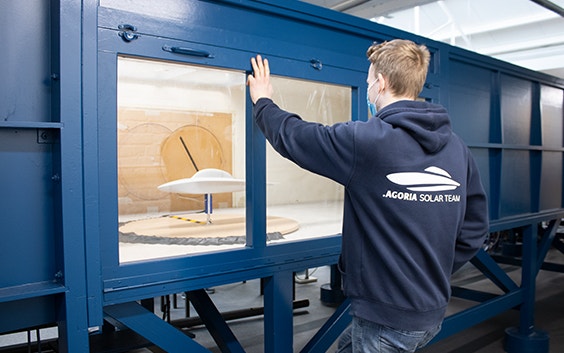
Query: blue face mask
372, 106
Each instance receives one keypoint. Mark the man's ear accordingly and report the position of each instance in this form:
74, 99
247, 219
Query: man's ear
382, 81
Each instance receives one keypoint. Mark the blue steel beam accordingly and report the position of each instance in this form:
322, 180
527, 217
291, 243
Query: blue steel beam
529, 272
72, 308
216, 325
89, 123
491, 269
30, 290
278, 312
330, 331
255, 172
473, 295
546, 241
150, 326
480, 313
544, 245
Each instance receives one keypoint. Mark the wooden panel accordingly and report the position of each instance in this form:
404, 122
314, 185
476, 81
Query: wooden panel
151, 152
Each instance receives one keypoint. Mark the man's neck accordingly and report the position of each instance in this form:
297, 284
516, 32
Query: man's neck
389, 99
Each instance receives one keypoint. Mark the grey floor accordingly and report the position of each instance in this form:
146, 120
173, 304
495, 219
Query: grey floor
486, 337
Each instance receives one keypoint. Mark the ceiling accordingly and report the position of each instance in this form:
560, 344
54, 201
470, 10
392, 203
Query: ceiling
528, 33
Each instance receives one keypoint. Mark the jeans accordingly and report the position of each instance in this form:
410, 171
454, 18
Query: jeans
367, 337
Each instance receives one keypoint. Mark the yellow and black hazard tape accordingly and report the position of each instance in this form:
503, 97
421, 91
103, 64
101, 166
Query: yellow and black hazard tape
187, 219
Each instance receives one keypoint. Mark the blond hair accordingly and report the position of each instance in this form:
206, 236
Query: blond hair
403, 63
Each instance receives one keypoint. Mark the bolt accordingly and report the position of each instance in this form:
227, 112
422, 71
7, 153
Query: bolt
59, 276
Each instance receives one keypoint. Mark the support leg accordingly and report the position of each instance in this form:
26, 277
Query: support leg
525, 338
278, 313
332, 293
73, 333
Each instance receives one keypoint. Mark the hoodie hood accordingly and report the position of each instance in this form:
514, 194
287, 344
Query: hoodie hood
428, 123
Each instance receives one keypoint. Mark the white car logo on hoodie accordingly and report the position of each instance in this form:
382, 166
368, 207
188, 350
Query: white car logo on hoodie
435, 179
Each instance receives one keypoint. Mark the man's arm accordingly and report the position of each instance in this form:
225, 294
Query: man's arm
324, 150
476, 220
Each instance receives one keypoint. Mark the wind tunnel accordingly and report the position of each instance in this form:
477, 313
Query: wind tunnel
132, 164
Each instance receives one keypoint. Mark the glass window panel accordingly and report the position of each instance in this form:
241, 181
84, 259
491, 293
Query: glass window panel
181, 159
302, 204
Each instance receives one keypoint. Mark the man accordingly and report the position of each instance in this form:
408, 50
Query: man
414, 210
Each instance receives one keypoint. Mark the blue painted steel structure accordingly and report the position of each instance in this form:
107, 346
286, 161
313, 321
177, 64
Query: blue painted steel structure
58, 153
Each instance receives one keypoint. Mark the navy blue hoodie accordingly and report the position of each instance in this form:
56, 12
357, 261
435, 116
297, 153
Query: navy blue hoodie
414, 210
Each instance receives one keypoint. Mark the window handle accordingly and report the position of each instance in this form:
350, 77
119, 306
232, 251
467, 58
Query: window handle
188, 51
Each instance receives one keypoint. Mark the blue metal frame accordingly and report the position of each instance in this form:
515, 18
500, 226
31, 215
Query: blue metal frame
49, 287
72, 171
72, 308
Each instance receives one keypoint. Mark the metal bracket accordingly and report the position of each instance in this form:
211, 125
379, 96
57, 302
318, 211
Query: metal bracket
47, 136
127, 32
